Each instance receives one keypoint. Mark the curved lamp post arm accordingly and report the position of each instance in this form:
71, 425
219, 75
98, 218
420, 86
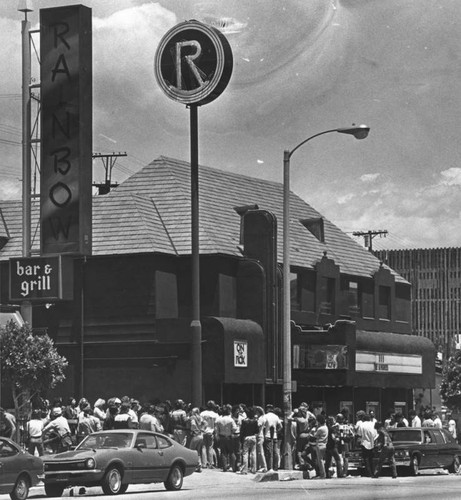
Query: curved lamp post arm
359, 132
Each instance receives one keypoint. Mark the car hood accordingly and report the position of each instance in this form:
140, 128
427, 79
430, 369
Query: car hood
75, 455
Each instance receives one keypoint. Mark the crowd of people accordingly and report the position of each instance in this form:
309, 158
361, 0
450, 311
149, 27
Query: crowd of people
233, 438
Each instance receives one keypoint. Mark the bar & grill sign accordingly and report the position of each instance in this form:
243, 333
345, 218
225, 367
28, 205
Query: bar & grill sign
41, 278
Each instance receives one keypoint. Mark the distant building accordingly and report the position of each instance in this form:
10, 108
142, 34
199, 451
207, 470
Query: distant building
126, 330
435, 277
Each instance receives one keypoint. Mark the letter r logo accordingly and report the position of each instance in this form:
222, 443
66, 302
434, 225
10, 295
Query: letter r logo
189, 59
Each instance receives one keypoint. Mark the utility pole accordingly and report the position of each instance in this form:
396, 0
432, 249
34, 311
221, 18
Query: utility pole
108, 160
369, 235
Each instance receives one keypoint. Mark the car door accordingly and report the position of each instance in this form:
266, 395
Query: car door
149, 461
10, 463
429, 450
448, 447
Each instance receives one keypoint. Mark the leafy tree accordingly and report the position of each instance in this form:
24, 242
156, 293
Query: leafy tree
450, 388
29, 363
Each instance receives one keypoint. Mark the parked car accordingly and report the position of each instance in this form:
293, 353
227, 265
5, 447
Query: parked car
19, 470
116, 458
419, 448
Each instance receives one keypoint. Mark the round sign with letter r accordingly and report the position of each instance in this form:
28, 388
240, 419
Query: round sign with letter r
193, 63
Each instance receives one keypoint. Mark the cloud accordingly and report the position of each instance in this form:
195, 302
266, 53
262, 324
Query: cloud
451, 177
345, 198
369, 177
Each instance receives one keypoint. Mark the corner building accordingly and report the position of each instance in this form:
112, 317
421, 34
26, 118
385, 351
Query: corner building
126, 331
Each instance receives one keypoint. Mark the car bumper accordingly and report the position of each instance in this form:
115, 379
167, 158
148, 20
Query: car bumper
73, 477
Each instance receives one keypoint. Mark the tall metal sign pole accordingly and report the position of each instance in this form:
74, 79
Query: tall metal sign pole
193, 65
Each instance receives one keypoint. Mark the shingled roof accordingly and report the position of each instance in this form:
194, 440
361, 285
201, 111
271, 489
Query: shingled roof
150, 212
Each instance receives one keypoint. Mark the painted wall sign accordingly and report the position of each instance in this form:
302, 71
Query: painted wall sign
240, 353
41, 279
66, 130
193, 63
388, 362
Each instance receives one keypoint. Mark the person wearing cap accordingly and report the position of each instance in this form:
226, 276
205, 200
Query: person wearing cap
35, 433
59, 427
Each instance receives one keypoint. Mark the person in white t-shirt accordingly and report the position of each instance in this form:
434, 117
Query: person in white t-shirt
210, 416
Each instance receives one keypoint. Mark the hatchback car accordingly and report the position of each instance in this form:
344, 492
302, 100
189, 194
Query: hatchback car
114, 459
19, 470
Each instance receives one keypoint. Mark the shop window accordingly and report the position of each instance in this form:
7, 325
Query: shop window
166, 295
384, 302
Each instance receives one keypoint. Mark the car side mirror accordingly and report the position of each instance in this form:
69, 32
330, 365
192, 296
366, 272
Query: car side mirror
141, 445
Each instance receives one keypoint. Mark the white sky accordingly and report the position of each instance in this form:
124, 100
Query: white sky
300, 67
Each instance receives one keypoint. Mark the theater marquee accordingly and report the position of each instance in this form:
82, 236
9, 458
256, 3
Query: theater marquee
66, 130
388, 362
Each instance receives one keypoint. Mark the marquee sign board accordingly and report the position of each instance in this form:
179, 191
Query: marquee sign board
66, 130
193, 63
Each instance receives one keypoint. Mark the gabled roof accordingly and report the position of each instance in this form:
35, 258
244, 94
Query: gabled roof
150, 212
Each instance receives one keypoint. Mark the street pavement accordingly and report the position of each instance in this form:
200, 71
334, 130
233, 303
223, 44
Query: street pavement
214, 484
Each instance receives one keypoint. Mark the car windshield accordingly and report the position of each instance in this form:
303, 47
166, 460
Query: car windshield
407, 435
102, 440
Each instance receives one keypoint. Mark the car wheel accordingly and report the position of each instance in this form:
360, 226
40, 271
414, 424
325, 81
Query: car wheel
123, 488
112, 481
414, 465
455, 467
175, 479
54, 490
21, 488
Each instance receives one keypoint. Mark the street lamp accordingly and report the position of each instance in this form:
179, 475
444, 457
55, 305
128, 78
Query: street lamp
359, 132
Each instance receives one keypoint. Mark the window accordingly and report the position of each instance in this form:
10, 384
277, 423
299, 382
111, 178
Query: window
402, 302
163, 442
147, 441
327, 295
384, 302
294, 292
350, 293
367, 299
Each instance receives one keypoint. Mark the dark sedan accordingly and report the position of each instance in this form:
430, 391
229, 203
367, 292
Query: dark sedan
419, 448
425, 448
114, 459
18, 470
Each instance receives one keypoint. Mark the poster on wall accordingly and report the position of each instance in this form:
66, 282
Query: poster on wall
324, 357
